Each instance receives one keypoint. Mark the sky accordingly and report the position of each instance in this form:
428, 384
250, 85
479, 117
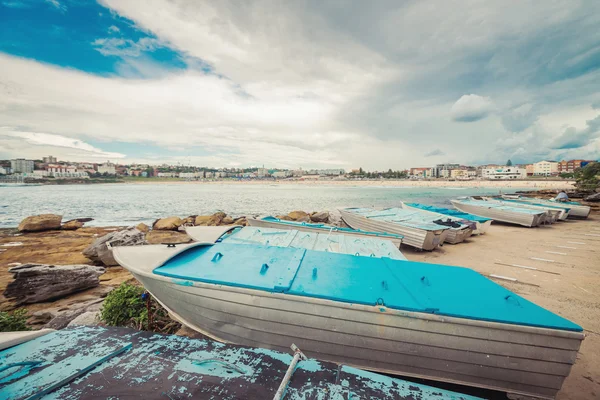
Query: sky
312, 84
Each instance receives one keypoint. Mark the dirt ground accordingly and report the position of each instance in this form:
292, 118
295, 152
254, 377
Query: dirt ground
571, 249
574, 248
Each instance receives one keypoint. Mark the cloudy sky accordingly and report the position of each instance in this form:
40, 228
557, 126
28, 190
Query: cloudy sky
384, 84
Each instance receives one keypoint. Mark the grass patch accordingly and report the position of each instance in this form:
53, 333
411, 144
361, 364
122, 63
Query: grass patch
14, 321
126, 306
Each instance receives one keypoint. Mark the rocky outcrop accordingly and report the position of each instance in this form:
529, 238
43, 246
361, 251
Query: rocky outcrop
242, 221
321, 216
142, 227
100, 253
227, 220
72, 225
160, 237
299, 216
42, 222
284, 218
167, 224
88, 318
35, 283
211, 220
593, 197
202, 220
190, 221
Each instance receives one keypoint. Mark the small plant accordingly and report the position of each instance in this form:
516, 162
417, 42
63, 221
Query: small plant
127, 306
13, 321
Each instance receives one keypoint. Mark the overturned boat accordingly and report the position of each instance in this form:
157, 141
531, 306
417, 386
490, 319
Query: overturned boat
272, 222
480, 225
553, 214
503, 213
576, 209
398, 317
417, 232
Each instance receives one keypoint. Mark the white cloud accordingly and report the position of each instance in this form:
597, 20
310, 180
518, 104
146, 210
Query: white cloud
471, 108
125, 47
113, 29
56, 4
51, 140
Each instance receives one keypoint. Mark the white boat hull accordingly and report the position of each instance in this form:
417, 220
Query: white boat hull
454, 235
418, 238
268, 224
528, 220
516, 359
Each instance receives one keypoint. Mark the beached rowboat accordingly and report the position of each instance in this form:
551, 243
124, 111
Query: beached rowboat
576, 209
481, 224
272, 222
417, 233
399, 317
502, 213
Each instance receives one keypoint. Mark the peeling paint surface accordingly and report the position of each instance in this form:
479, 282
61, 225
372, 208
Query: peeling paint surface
132, 364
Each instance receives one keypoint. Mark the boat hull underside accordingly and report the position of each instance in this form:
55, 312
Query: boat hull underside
502, 357
419, 238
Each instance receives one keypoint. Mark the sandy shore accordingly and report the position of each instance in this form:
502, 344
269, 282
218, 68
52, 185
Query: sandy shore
574, 246
537, 184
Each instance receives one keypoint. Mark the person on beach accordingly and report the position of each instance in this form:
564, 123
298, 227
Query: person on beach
562, 196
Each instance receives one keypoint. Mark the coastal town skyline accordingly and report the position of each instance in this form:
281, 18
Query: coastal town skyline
327, 86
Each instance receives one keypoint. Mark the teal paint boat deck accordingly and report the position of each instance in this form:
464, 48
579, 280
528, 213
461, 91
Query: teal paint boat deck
450, 212
401, 285
156, 366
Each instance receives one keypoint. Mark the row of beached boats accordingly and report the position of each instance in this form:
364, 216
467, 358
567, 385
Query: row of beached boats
348, 295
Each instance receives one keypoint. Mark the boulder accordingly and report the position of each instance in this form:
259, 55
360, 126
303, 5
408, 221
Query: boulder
34, 283
160, 237
216, 219
190, 221
284, 218
142, 227
167, 224
227, 220
72, 225
321, 216
299, 216
88, 318
100, 253
202, 220
593, 197
241, 221
42, 222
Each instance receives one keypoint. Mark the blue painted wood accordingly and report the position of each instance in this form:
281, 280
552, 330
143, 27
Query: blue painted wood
47, 375
403, 285
450, 212
173, 367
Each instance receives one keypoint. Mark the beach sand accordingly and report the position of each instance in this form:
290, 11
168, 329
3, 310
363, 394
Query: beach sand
573, 294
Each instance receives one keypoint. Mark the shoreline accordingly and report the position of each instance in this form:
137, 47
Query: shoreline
517, 184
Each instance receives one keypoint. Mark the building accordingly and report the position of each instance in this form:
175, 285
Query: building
529, 169
167, 175
107, 168
282, 174
40, 173
21, 165
463, 174
545, 168
262, 172
443, 170
420, 172
504, 173
571, 166
5, 170
49, 160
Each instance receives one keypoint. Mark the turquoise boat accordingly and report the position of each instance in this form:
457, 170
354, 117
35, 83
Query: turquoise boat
371, 312
272, 222
480, 224
84, 362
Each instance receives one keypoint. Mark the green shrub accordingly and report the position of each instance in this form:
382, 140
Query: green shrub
13, 321
124, 306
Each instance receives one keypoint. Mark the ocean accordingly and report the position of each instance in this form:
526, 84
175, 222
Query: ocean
129, 204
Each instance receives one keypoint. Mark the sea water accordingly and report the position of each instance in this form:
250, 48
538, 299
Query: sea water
128, 204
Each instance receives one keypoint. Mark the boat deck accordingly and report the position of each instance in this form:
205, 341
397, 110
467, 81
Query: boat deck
95, 362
